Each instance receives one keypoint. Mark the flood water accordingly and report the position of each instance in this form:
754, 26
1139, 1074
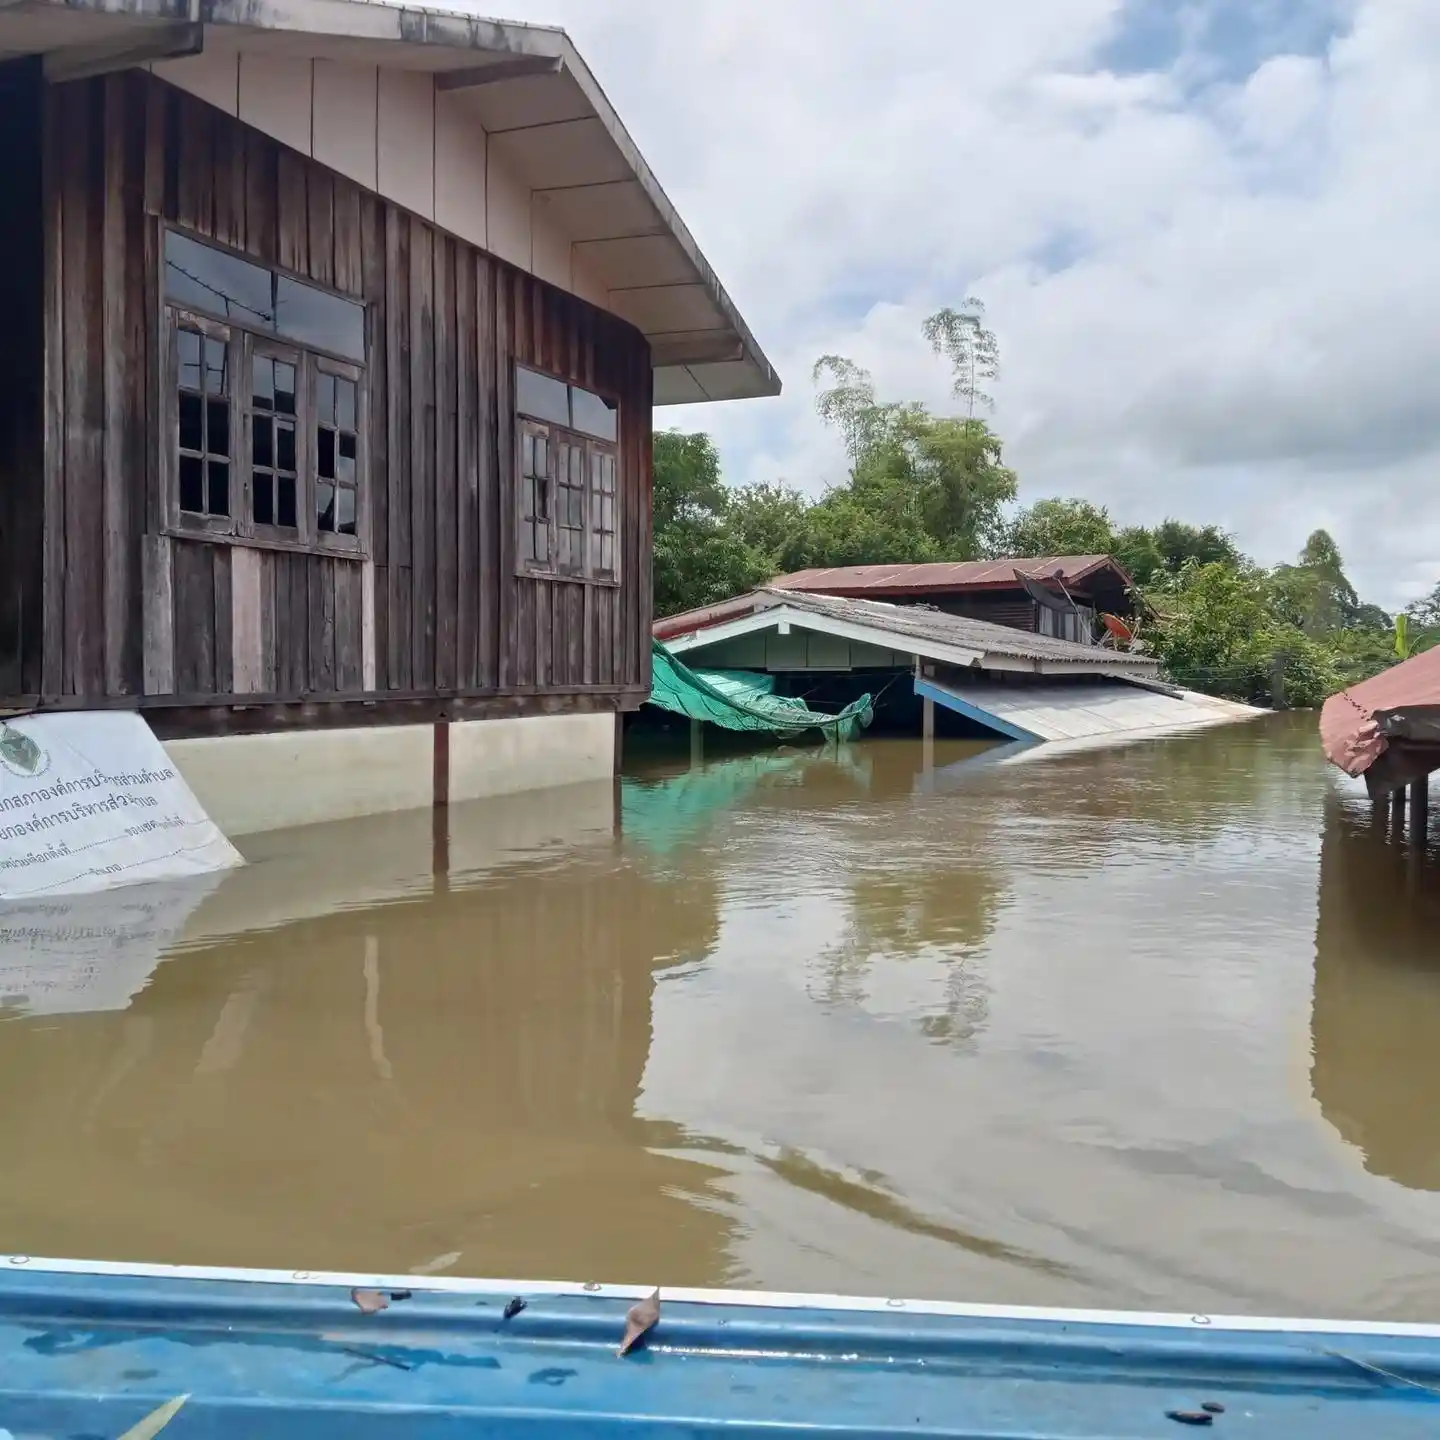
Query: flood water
1154, 1026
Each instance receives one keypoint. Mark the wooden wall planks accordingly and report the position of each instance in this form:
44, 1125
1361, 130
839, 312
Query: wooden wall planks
437, 609
22, 378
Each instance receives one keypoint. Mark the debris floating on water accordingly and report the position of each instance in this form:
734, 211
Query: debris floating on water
640, 1317
1191, 1417
514, 1307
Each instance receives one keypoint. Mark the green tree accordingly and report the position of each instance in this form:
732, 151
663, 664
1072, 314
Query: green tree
1315, 593
875, 520
1360, 653
1219, 629
1136, 549
1372, 617
771, 518
972, 350
921, 486
699, 556
1425, 612
1060, 527
1178, 542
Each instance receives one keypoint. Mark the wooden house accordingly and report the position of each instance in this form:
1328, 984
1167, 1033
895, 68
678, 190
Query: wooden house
333, 331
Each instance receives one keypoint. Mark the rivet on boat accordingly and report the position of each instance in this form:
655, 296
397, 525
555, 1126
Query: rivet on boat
591, 1285
896, 1304
1199, 1319
301, 1275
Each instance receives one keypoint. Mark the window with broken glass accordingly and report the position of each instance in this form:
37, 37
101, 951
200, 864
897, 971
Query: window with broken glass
266, 381
567, 495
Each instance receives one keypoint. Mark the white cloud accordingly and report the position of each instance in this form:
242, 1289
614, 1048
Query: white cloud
1215, 298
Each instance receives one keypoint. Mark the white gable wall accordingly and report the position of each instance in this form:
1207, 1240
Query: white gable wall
392, 132
346, 100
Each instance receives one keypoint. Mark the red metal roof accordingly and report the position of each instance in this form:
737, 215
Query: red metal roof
945, 577
1349, 724
878, 581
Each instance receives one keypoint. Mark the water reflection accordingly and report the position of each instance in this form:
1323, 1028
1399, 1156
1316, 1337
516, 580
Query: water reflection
1376, 1021
415, 1076
667, 805
1040, 1034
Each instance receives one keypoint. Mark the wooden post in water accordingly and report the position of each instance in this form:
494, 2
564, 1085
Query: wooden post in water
1419, 810
617, 813
440, 813
1397, 808
927, 734
697, 742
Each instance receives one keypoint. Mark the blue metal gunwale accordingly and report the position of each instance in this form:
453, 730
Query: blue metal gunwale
88, 1348
440, 1285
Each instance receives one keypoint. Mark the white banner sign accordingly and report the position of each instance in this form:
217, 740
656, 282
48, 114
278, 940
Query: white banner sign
89, 800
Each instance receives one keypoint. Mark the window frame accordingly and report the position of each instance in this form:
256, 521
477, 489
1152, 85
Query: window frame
188, 522
526, 519
243, 343
563, 439
334, 540
250, 528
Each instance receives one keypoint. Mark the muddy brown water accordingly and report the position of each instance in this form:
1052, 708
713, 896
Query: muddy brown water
1154, 1026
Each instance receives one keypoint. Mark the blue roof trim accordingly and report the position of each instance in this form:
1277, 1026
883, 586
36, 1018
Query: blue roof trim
926, 690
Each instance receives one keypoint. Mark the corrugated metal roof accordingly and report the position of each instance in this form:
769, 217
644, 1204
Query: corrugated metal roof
938, 577
1350, 730
920, 623
705, 615
913, 625
1073, 711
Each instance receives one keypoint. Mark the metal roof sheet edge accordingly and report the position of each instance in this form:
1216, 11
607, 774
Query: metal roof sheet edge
913, 622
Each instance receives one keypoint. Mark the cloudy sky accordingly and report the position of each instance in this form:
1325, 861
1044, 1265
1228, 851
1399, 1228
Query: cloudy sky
1207, 233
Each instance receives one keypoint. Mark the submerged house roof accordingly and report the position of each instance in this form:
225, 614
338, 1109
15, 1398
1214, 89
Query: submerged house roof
496, 131
928, 634
952, 578
1387, 728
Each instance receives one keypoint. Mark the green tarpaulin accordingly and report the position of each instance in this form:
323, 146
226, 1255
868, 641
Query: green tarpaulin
738, 700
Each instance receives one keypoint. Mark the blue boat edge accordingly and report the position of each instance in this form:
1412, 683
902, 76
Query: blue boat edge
91, 1347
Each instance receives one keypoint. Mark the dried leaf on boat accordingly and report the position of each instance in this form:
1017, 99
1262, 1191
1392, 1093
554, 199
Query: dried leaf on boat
640, 1318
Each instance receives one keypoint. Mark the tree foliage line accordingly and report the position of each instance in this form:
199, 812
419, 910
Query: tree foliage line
925, 486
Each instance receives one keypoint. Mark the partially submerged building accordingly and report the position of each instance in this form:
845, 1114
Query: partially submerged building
1063, 596
931, 670
1387, 729
332, 335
